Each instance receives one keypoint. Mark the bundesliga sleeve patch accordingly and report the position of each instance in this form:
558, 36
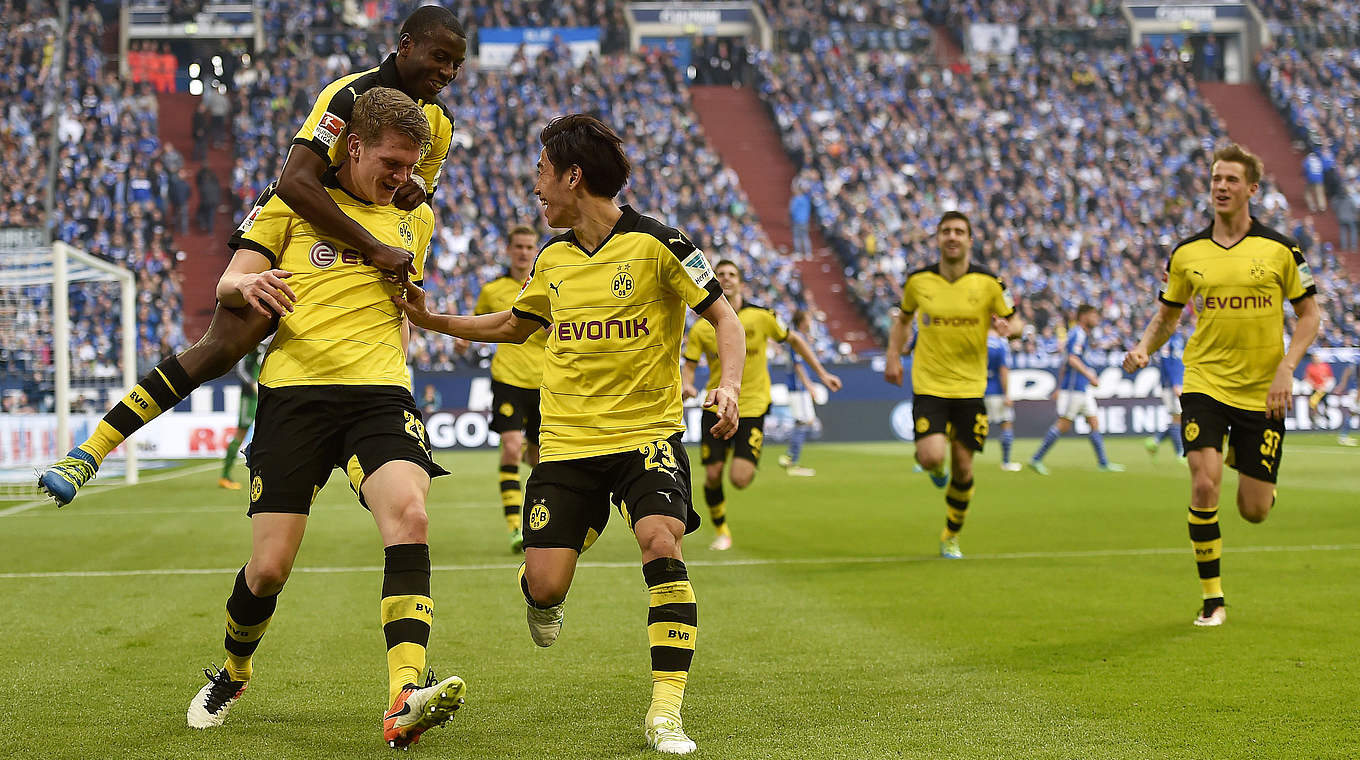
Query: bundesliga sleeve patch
328, 129
1305, 275
696, 266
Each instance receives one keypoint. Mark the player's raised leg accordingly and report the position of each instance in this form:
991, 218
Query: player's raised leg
1206, 477
231, 335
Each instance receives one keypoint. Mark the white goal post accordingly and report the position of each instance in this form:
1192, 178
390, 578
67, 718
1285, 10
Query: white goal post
39, 351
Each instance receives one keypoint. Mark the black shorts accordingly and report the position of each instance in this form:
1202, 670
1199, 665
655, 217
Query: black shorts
515, 408
746, 443
1255, 442
303, 432
567, 502
962, 419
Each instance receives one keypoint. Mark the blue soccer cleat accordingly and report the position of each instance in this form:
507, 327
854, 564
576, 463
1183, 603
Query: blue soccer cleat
67, 475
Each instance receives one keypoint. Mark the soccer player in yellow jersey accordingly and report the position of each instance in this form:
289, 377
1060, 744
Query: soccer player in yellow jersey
953, 303
1238, 382
611, 292
516, 372
430, 51
761, 326
335, 392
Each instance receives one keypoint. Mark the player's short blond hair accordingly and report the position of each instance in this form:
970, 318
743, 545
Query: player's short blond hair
521, 229
383, 109
1239, 155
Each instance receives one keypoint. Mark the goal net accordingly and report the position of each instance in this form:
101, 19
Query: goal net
68, 344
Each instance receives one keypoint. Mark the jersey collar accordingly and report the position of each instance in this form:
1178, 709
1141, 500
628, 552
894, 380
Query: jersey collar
332, 179
388, 76
627, 223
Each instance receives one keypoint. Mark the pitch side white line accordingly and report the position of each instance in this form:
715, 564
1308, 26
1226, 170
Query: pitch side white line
507, 566
103, 488
435, 507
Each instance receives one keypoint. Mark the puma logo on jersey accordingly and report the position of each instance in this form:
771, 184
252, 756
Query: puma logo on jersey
553, 286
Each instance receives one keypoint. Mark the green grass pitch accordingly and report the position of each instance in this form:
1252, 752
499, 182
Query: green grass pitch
830, 630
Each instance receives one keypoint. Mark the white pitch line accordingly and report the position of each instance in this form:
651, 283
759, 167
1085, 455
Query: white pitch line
434, 507
105, 488
506, 566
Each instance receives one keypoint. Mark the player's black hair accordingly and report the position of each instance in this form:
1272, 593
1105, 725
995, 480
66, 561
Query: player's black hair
1084, 309
946, 216
426, 19
585, 142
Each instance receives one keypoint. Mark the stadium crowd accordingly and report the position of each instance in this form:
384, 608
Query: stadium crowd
119, 189
1081, 170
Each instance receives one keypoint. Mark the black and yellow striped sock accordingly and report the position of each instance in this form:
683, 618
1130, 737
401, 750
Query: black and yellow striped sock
407, 614
717, 508
512, 496
956, 498
247, 618
672, 625
161, 389
1208, 543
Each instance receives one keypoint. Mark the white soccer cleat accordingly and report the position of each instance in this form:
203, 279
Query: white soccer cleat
949, 549
1218, 617
801, 472
545, 624
721, 543
211, 704
417, 710
668, 736
1012, 467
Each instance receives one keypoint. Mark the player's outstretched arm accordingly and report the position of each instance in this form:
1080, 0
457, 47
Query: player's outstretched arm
499, 327
897, 337
731, 340
804, 350
300, 187
1158, 332
1308, 319
249, 281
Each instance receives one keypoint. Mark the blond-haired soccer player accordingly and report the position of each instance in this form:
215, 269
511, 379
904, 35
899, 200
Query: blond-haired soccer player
761, 326
335, 392
1238, 377
953, 303
612, 293
430, 49
516, 373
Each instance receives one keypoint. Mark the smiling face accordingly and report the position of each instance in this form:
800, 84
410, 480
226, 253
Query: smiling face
555, 191
429, 63
954, 240
380, 167
1229, 190
729, 277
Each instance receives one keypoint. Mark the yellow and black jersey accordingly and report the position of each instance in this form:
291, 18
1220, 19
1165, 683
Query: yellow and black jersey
344, 328
1238, 294
325, 125
761, 326
517, 364
950, 359
611, 373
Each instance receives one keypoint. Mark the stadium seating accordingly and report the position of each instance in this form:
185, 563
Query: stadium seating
113, 180
1081, 171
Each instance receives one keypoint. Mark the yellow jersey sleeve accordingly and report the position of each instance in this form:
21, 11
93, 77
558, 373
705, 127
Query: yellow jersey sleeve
699, 342
431, 165
424, 218
1002, 305
532, 301
688, 275
908, 303
1178, 288
484, 301
1297, 279
326, 122
265, 229
775, 327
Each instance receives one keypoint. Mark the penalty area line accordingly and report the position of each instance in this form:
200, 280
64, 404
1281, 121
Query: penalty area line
753, 562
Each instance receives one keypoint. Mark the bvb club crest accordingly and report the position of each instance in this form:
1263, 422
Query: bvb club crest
407, 238
1257, 270
922, 425
538, 515
1191, 431
256, 489
623, 285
